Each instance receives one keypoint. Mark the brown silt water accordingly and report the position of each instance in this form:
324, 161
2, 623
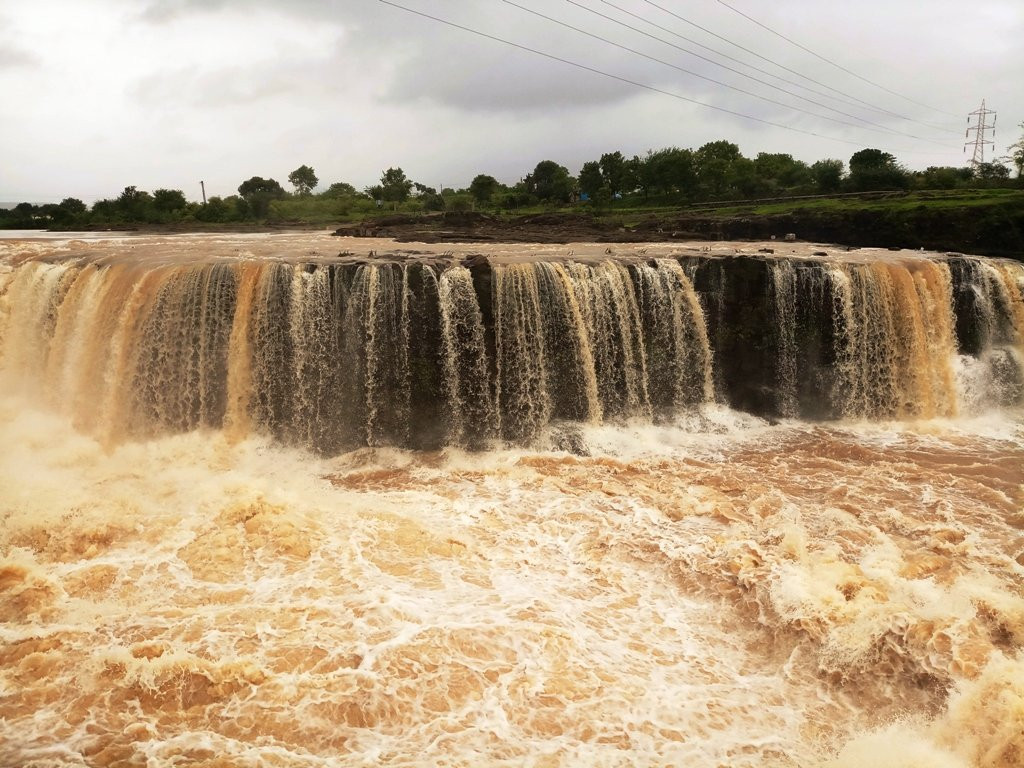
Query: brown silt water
266, 505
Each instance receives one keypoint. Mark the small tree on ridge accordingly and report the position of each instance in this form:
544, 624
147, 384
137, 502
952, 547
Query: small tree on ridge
303, 179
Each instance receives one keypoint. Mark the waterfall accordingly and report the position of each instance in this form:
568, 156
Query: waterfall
784, 287
612, 315
676, 346
865, 340
990, 326
895, 338
470, 408
331, 353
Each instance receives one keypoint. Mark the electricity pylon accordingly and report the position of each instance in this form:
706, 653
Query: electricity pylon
979, 129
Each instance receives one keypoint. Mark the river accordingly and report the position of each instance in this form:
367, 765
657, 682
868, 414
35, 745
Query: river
613, 567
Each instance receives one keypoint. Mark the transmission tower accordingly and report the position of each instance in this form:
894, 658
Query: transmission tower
979, 129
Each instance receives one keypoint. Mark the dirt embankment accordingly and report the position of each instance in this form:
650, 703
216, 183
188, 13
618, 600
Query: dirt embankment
483, 228
997, 231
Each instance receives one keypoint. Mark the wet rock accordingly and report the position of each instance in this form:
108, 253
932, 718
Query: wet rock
569, 438
740, 321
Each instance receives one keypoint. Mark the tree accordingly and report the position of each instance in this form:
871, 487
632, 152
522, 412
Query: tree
943, 177
25, 215
432, 201
133, 203
339, 189
461, 204
991, 171
514, 198
667, 170
394, 186
744, 178
1017, 155
257, 185
614, 171
591, 179
69, 209
873, 169
51, 211
104, 210
482, 188
72, 206
602, 198
715, 166
429, 197
828, 175
168, 200
781, 170
214, 210
550, 182
238, 207
257, 193
303, 179
870, 160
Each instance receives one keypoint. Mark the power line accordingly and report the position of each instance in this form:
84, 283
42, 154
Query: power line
787, 69
884, 128
626, 80
717, 52
849, 101
829, 61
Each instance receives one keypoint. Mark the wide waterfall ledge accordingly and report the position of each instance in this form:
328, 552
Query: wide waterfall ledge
331, 344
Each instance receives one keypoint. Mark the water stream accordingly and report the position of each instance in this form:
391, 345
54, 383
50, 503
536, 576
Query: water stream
266, 505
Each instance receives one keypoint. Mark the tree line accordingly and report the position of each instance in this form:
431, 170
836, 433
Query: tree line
717, 171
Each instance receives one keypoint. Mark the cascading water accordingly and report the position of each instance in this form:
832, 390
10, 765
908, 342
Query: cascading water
990, 326
184, 582
332, 355
470, 407
865, 340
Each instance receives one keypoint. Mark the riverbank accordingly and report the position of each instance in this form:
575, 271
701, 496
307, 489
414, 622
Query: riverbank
991, 225
987, 222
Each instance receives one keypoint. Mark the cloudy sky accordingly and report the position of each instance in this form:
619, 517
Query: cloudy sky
100, 94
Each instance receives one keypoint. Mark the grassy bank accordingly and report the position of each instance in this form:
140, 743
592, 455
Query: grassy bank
987, 222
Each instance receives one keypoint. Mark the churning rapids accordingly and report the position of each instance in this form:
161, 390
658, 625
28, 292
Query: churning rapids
264, 505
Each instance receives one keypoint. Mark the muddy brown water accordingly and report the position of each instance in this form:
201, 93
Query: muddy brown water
714, 590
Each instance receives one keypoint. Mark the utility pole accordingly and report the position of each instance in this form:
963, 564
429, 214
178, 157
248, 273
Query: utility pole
202, 186
979, 128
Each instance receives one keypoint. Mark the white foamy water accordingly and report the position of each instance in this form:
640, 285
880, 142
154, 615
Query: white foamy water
709, 590
783, 596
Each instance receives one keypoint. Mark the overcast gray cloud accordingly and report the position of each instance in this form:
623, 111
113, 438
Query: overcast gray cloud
11, 57
12, 54
161, 94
